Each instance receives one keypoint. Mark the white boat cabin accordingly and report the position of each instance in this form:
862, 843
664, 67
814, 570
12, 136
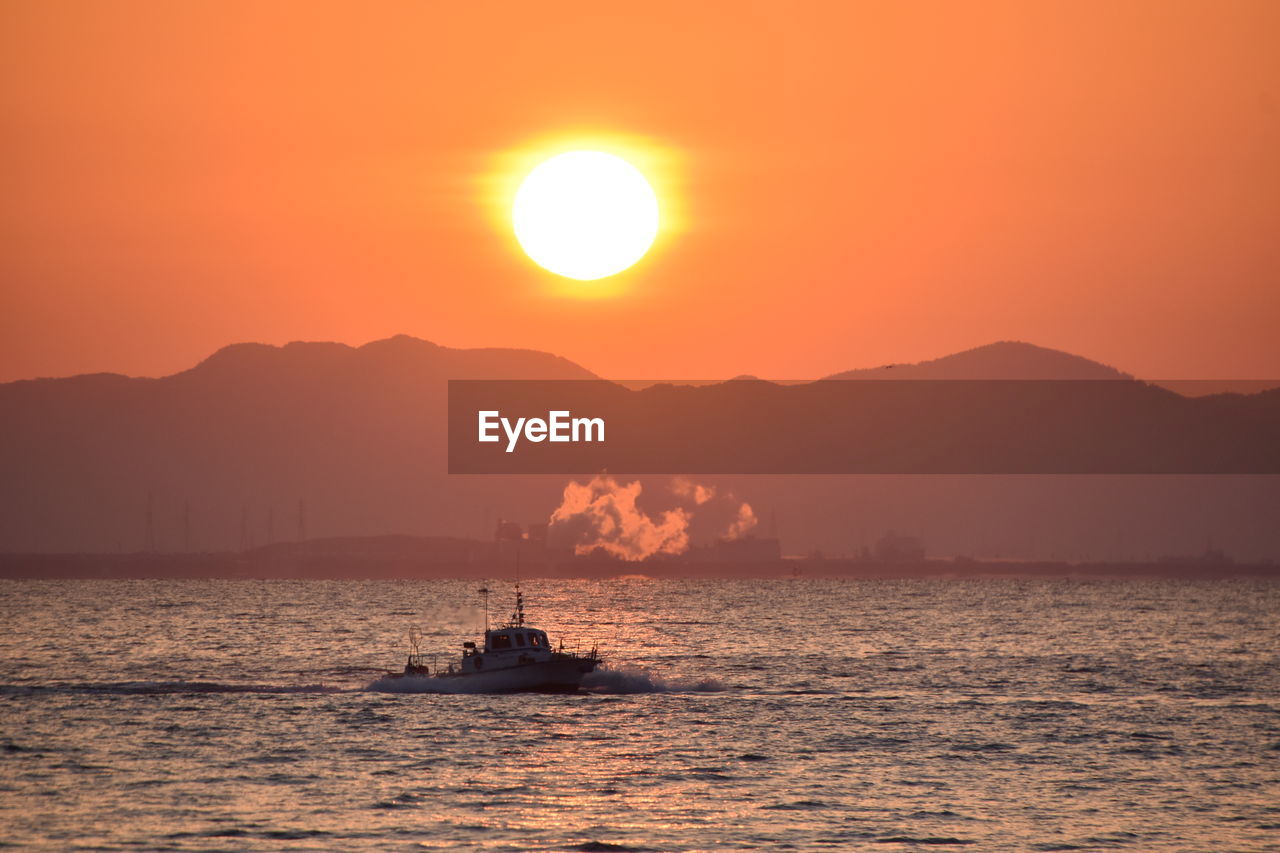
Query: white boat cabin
511, 645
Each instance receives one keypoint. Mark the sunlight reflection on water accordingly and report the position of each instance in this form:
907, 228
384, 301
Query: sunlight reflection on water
895, 715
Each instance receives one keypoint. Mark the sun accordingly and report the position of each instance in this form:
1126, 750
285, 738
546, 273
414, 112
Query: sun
585, 215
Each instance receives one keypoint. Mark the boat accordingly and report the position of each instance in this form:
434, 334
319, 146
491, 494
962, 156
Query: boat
514, 658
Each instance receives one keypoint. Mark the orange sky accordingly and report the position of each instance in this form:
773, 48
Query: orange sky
858, 183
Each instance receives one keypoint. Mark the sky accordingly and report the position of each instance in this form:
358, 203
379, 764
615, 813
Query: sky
841, 185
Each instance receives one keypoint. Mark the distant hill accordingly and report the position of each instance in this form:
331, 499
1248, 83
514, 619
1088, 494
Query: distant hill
1001, 360
249, 445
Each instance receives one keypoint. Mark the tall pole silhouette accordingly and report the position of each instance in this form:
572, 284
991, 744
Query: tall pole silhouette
151, 523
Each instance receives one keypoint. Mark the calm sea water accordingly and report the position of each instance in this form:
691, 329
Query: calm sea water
784, 715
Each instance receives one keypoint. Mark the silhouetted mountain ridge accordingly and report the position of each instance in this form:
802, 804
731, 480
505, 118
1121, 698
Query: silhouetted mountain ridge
354, 434
261, 443
1000, 360
398, 353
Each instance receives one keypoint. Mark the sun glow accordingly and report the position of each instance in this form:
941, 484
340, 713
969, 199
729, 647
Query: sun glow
585, 215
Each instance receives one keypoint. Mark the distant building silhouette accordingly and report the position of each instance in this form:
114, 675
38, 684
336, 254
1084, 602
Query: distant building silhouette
892, 548
747, 549
508, 531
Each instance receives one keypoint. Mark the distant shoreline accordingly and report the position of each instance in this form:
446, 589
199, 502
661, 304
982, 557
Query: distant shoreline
231, 565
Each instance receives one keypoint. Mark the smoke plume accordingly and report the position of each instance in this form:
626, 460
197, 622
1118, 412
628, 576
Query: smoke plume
603, 515
686, 488
745, 521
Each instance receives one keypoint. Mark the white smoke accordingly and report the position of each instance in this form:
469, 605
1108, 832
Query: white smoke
686, 488
745, 522
603, 514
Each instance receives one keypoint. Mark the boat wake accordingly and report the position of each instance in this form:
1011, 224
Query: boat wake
410, 684
604, 681
161, 688
634, 679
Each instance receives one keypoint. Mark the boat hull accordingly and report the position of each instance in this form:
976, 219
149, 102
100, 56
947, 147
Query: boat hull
553, 676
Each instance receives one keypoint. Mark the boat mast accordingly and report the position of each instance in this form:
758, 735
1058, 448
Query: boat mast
484, 590
518, 616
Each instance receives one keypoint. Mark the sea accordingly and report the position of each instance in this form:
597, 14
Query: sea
788, 714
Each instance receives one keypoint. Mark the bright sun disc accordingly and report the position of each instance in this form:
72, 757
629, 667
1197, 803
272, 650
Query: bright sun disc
585, 215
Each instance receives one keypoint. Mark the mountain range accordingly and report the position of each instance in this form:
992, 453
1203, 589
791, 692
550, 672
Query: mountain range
1000, 360
260, 443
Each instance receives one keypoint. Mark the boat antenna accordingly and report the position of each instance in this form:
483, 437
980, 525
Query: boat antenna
484, 590
518, 616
